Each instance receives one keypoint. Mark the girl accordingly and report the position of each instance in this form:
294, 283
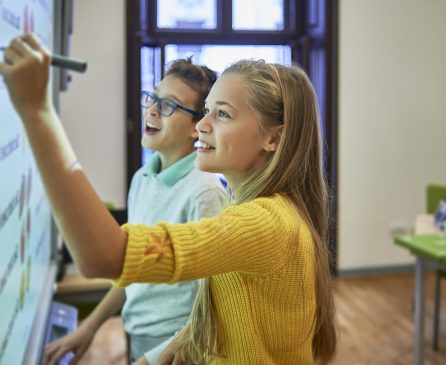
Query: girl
267, 294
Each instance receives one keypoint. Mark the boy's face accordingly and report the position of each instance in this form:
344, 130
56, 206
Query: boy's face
173, 136
230, 130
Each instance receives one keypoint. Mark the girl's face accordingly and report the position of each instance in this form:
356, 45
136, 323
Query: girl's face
171, 136
230, 139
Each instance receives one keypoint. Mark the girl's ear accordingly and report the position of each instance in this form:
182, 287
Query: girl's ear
272, 138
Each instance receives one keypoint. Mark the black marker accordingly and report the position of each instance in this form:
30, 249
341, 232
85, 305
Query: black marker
65, 62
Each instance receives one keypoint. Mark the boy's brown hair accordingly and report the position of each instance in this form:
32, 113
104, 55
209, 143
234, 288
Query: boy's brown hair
198, 78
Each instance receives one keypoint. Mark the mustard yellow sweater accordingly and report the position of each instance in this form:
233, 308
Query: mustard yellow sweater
260, 258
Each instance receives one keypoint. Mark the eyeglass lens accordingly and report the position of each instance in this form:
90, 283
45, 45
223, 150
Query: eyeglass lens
165, 106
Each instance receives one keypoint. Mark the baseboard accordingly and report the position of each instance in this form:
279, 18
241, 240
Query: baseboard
376, 270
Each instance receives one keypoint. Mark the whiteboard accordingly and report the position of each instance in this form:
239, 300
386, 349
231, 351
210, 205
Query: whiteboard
26, 234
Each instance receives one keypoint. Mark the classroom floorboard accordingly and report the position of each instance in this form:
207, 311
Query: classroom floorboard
375, 324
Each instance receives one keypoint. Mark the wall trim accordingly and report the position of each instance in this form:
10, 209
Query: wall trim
376, 270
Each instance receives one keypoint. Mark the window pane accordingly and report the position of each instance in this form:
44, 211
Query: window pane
150, 67
186, 14
318, 76
220, 57
257, 14
150, 76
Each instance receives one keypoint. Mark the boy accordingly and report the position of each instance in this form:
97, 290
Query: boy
176, 192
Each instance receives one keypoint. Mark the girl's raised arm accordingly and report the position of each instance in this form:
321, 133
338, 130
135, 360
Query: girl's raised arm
95, 240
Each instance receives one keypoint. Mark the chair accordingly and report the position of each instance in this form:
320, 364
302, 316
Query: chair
434, 193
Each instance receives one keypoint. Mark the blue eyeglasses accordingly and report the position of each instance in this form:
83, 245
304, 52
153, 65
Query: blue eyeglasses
166, 107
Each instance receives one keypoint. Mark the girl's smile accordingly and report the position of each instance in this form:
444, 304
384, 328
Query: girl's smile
203, 146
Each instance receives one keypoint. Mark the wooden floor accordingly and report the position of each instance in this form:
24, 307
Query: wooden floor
375, 324
376, 320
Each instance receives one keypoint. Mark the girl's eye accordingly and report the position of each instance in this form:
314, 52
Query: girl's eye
206, 111
223, 114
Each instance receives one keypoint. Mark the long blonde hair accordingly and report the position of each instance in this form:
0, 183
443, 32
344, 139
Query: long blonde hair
282, 96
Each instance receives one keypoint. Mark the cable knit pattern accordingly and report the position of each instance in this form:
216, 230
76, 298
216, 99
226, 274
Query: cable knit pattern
260, 255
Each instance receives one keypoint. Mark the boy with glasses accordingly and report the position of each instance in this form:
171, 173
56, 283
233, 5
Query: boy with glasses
176, 192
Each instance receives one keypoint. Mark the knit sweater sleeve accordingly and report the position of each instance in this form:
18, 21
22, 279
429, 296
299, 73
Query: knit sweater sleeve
254, 237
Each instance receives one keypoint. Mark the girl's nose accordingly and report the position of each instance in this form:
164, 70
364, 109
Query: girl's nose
203, 125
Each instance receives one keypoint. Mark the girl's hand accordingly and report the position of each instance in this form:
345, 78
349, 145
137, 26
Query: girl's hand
170, 356
25, 69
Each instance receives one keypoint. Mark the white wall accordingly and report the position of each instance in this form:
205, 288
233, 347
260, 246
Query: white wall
392, 122
93, 111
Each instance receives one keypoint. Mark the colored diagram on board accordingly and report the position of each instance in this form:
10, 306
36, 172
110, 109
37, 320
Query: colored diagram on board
25, 220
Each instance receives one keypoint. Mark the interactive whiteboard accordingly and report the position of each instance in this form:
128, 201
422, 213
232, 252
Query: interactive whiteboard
26, 231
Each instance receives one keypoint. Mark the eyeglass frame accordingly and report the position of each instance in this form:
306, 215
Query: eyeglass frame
157, 100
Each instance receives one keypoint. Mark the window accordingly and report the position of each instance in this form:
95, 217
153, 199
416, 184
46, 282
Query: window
216, 32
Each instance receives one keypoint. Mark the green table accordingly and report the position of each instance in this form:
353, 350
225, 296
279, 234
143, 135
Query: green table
430, 252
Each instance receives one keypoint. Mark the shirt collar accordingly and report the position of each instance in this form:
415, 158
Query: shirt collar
174, 172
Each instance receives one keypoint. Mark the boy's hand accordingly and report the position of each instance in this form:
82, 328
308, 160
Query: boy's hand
78, 342
25, 69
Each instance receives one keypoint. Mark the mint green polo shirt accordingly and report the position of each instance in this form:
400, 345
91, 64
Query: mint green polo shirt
174, 172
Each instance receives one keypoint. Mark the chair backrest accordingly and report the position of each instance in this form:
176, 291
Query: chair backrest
434, 193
